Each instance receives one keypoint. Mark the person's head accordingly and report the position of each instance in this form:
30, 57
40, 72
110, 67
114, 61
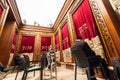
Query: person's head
79, 38
52, 50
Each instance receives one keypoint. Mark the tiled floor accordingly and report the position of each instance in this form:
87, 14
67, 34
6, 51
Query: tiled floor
62, 74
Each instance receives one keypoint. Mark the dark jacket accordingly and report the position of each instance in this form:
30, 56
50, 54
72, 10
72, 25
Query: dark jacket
85, 47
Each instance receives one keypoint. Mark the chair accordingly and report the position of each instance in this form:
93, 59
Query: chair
82, 62
51, 58
19, 63
4, 71
28, 69
29, 63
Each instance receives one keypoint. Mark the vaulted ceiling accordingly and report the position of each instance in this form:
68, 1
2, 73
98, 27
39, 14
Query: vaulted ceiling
39, 12
14, 13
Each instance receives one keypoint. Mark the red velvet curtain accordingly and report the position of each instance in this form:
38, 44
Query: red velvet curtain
13, 43
27, 44
45, 43
1, 10
84, 22
65, 37
57, 42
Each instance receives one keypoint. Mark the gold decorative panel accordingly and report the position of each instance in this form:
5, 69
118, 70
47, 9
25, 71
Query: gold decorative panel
102, 26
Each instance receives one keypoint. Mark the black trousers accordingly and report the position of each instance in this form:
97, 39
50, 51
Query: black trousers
117, 71
98, 61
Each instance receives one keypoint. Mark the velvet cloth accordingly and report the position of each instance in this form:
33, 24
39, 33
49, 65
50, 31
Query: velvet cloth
45, 43
65, 36
83, 21
27, 44
57, 47
13, 43
1, 11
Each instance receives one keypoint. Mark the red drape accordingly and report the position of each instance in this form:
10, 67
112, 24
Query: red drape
1, 10
13, 43
57, 42
27, 44
84, 22
65, 37
45, 43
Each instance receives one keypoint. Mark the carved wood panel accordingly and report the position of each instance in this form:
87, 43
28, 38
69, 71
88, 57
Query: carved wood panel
104, 32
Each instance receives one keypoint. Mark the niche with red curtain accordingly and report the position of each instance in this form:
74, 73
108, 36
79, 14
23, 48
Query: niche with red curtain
65, 36
27, 44
13, 43
45, 43
57, 47
84, 22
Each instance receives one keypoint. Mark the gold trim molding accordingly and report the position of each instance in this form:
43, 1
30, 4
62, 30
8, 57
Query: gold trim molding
102, 26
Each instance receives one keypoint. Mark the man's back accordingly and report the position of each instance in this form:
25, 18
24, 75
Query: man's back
84, 46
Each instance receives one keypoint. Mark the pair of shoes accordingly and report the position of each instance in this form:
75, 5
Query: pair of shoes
93, 78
